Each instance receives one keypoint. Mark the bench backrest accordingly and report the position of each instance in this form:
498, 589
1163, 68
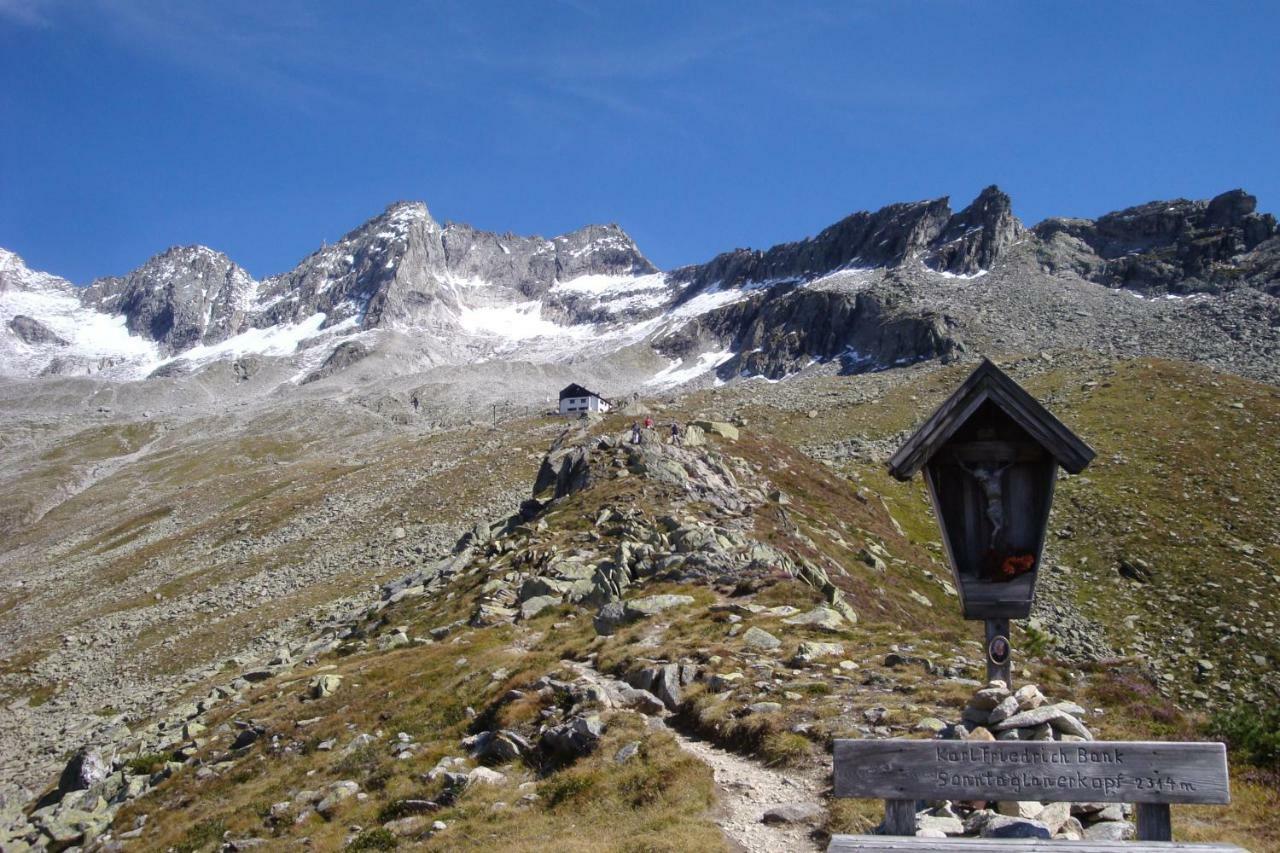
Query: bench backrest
1054, 771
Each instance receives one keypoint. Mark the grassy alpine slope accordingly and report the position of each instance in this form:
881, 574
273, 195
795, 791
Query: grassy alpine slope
358, 742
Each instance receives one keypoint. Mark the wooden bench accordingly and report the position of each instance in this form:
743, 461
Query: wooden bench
1151, 775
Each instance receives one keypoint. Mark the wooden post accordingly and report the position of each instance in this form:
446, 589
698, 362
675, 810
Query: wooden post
999, 627
1154, 822
900, 817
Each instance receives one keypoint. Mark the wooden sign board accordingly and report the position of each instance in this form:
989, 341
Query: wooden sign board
1090, 771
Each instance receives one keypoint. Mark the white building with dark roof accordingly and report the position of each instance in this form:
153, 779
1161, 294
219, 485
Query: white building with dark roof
576, 400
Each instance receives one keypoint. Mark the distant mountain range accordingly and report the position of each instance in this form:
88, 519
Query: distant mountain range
908, 282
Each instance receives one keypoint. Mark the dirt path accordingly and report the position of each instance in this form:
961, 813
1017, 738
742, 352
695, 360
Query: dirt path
747, 789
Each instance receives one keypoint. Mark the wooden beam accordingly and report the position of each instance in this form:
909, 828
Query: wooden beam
899, 817
1154, 822
890, 844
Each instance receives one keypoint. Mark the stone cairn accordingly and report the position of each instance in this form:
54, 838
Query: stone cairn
994, 713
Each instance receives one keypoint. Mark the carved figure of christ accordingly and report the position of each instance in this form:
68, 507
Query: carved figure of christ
990, 478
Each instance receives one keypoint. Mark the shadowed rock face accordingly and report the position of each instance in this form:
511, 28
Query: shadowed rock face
32, 331
1175, 246
780, 332
181, 298
977, 236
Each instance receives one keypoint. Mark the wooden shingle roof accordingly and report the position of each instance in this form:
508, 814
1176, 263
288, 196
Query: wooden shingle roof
989, 382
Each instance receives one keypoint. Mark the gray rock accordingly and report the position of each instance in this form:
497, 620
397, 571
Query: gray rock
531, 607
484, 776
719, 428
808, 652
32, 331
793, 813
1110, 830
334, 794
1000, 826
343, 356
1007, 708
574, 738
822, 618
760, 639
627, 752
324, 685
943, 825
615, 614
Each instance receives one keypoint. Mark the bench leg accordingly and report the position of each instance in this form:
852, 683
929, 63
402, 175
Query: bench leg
899, 817
1154, 822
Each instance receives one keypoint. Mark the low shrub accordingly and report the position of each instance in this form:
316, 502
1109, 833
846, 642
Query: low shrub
1250, 732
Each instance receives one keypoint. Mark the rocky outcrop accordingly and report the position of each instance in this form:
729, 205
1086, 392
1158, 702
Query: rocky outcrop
32, 331
1175, 246
977, 236
343, 356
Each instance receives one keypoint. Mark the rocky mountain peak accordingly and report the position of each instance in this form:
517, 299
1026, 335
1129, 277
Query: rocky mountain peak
1178, 246
182, 297
975, 237
16, 275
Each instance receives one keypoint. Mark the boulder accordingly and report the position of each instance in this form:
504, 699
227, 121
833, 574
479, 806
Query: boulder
719, 428
531, 607
485, 776
86, 768
1055, 816
792, 813
615, 614
1023, 808
1007, 708
943, 825
694, 437
1001, 826
335, 793
640, 700
808, 652
324, 685
760, 639
1110, 830
1029, 697
1036, 716
821, 618
574, 738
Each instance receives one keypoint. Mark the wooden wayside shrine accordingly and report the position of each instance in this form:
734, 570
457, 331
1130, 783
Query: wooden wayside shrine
990, 455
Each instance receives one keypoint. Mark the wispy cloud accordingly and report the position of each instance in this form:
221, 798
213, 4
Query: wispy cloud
28, 13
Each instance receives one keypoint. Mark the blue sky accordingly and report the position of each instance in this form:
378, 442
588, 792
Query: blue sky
263, 128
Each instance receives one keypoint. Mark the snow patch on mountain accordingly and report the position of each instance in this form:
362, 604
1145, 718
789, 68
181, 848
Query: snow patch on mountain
98, 342
677, 373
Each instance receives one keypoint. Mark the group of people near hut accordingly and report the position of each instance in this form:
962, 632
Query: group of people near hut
637, 434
